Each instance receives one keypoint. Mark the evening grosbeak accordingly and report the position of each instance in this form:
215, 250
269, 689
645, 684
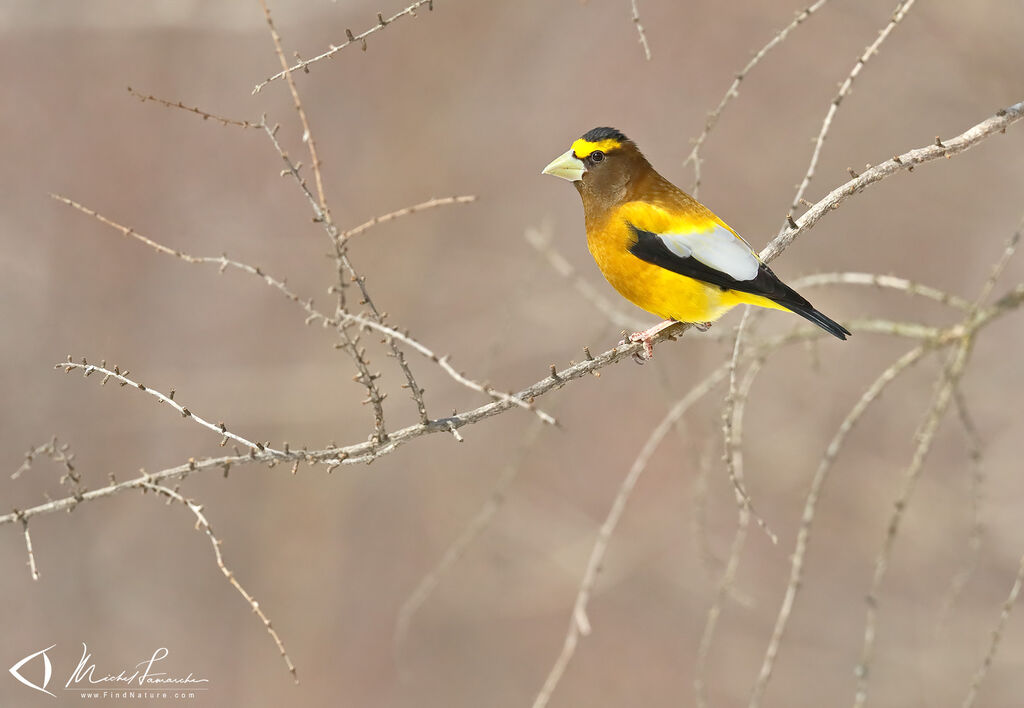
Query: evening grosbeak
662, 249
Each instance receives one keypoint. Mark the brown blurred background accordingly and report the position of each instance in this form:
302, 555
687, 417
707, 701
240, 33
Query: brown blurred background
476, 97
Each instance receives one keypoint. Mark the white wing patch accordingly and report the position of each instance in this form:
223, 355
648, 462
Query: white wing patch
719, 248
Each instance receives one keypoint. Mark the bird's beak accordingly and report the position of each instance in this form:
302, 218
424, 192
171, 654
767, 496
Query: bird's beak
566, 166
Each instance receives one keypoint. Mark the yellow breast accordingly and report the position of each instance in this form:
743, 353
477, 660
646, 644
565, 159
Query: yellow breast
657, 290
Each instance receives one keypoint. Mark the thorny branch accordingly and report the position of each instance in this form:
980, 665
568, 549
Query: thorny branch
346, 273
369, 450
303, 65
144, 98
204, 525
342, 319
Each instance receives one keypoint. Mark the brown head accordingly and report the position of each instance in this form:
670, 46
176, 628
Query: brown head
606, 167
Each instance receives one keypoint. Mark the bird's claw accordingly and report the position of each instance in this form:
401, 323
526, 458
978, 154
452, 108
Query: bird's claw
642, 356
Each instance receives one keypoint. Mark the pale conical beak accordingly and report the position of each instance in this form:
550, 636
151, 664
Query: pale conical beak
566, 166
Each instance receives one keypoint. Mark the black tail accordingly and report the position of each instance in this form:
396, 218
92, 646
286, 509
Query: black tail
768, 285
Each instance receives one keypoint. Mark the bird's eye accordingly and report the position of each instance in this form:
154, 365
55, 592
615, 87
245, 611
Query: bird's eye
596, 156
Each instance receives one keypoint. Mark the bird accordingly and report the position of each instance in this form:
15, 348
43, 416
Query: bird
662, 249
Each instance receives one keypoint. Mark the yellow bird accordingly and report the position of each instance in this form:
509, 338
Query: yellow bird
662, 249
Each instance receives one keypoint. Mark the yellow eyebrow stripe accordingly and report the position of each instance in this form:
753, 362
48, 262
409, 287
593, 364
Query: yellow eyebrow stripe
581, 148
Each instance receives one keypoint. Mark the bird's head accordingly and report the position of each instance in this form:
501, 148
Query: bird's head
601, 164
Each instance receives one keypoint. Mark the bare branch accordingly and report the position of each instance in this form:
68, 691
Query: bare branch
997, 635
422, 206
898, 14
307, 134
346, 273
733, 91
344, 318
947, 385
143, 98
975, 481
204, 525
881, 281
122, 377
32, 569
640, 29
352, 39
731, 442
579, 624
872, 394
53, 450
907, 161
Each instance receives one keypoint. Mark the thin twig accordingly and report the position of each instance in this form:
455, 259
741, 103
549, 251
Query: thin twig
579, 624
307, 133
844, 89
950, 376
422, 206
881, 281
143, 98
121, 377
640, 29
872, 394
730, 447
346, 272
997, 635
352, 39
392, 334
323, 214
975, 481
733, 91
204, 525
947, 385
33, 570
53, 450
996, 124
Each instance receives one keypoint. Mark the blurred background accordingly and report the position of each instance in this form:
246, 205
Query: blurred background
475, 98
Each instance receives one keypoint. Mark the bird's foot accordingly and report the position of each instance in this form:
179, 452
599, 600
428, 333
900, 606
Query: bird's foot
647, 352
702, 326
647, 338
